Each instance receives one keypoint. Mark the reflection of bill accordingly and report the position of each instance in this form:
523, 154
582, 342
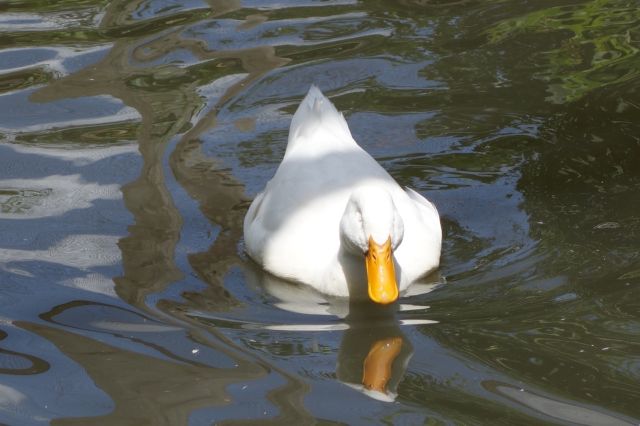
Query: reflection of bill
377, 365
374, 353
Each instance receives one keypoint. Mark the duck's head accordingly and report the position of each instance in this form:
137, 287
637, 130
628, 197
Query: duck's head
371, 227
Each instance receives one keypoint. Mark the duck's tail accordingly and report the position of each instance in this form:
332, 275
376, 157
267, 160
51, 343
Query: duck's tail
316, 111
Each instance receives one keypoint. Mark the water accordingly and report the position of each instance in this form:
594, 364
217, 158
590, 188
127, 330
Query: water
133, 136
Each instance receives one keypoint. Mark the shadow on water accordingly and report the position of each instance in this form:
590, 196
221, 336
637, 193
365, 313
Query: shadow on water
126, 297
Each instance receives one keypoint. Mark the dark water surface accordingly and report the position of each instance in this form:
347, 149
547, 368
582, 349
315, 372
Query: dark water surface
133, 135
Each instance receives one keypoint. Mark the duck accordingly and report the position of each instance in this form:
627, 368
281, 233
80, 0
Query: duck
333, 218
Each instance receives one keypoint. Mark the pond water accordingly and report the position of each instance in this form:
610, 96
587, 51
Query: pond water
133, 135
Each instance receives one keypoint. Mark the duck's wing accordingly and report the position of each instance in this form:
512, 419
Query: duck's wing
254, 209
426, 208
419, 252
254, 232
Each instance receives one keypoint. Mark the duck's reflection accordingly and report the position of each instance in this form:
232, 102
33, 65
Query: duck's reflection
374, 353
378, 363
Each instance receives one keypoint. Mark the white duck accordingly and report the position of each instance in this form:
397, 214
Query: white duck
334, 219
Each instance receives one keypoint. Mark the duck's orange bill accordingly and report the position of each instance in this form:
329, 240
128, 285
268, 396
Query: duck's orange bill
381, 274
378, 363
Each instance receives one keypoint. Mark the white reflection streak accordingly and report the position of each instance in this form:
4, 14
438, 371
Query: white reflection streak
78, 157
78, 251
560, 410
304, 327
95, 283
10, 399
55, 63
261, 5
17, 21
27, 22
214, 91
126, 327
125, 114
52, 196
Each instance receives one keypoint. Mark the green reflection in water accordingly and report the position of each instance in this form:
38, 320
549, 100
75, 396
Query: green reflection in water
598, 45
